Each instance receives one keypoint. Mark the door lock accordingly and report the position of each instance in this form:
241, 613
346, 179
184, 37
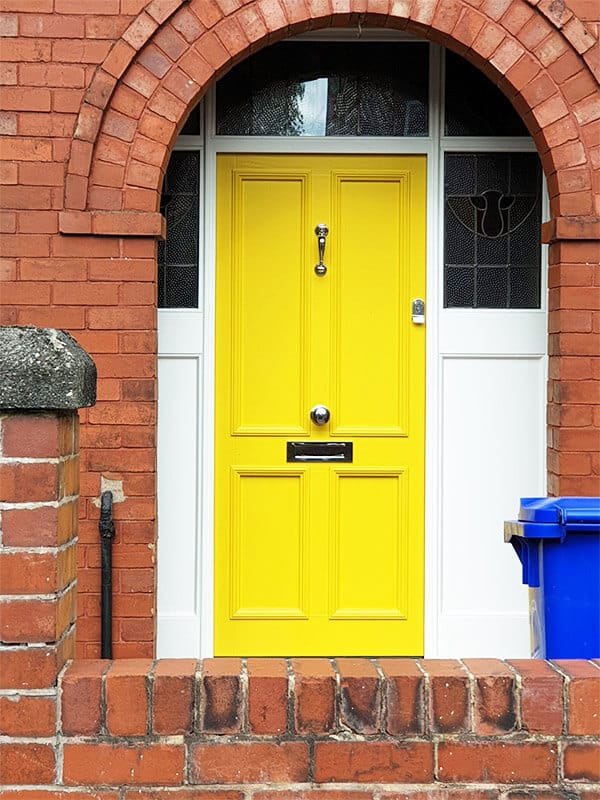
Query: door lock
320, 415
418, 311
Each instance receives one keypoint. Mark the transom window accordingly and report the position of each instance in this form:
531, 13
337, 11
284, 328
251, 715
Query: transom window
306, 89
327, 89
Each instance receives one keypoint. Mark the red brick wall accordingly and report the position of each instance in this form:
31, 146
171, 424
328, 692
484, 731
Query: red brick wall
38, 576
95, 93
270, 729
252, 729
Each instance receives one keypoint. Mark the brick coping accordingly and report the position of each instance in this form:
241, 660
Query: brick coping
287, 697
306, 729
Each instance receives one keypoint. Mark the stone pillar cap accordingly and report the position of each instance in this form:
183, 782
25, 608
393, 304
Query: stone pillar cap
43, 368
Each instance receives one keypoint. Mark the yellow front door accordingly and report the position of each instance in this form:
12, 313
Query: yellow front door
319, 557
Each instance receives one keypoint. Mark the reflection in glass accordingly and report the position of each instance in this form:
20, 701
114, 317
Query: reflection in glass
312, 107
327, 89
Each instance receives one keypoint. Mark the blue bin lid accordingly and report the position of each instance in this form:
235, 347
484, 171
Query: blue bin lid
566, 511
548, 518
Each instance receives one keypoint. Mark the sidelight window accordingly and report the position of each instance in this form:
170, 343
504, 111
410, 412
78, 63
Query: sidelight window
492, 205
178, 256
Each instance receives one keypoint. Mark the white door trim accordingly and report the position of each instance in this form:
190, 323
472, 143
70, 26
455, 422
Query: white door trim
439, 321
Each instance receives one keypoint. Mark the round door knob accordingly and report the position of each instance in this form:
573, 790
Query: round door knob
320, 415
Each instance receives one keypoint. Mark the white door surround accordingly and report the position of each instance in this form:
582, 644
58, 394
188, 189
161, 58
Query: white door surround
485, 424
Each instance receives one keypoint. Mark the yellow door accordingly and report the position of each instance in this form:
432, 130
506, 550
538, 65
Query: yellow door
319, 557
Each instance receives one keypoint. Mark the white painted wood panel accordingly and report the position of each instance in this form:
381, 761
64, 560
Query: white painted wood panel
492, 454
178, 552
180, 331
493, 331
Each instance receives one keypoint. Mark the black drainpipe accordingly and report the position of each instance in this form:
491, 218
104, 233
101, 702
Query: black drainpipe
107, 533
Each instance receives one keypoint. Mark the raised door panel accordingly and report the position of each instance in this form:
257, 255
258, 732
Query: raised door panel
369, 569
269, 306
268, 558
370, 304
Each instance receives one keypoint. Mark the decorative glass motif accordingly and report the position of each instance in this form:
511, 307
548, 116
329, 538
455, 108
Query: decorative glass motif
178, 254
328, 89
492, 230
474, 106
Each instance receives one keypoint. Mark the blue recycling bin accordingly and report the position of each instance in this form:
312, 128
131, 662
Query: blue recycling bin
557, 540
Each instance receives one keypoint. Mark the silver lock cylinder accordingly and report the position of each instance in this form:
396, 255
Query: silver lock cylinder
418, 311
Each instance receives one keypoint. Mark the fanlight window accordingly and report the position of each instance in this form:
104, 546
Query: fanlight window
327, 89
492, 199
473, 106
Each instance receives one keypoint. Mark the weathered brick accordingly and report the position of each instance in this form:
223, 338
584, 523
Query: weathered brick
314, 695
27, 763
173, 696
360, 690
404, 696
249, 762
582, 762
367, 762
21, 715
584, 691
495, 702
123, 765
449, 696
221, 710
81, 698
126, 697
504, 762
267, 695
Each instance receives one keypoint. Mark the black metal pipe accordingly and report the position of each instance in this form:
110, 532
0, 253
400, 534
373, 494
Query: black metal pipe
107, 533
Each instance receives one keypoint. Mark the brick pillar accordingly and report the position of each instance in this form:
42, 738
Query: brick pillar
574, 368
45, 377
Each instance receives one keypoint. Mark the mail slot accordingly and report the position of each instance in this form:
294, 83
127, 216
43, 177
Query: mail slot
320, 451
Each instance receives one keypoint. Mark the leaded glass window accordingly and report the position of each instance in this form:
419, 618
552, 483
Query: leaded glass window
191, 126
474, 106
327, 89
492, 219
178, 255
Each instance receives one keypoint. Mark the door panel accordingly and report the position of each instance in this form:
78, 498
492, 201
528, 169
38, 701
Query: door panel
369, 358
260, 500
271, 210
319, 558
368, 582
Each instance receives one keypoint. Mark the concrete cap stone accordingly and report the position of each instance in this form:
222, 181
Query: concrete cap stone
43, 368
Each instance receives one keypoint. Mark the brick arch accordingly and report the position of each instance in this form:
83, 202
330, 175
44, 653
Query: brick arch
540, 54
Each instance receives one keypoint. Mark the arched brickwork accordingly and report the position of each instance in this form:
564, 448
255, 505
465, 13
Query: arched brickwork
540, 54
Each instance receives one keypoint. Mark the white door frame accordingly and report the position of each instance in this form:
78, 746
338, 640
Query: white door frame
197, 328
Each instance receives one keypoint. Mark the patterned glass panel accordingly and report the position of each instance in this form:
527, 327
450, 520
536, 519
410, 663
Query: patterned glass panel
329, 89
178, 254
474, 105
492, 219
191, 126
